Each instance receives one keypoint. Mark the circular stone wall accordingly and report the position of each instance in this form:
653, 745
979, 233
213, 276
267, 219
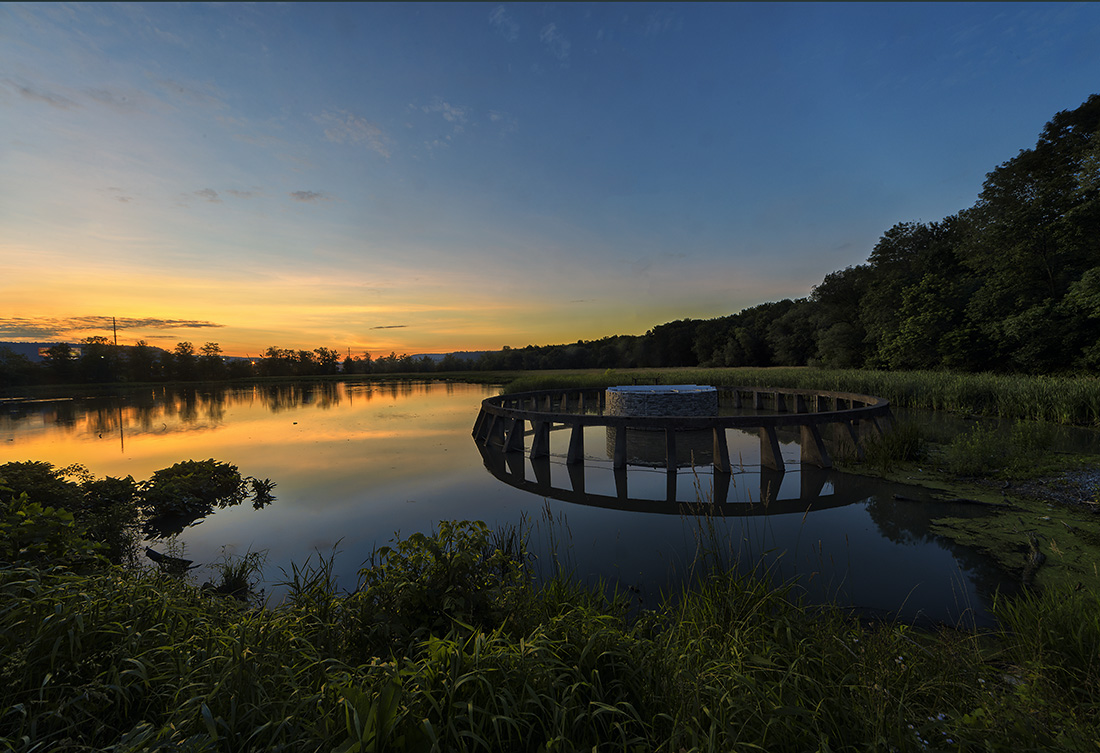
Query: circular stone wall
662, 400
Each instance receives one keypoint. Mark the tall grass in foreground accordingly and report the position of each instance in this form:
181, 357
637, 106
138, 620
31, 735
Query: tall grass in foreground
1063, 400
433, 652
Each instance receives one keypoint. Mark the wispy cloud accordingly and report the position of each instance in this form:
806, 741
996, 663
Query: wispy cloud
122, 101
390, 326
456, 115
555, 42
343, 127
504, 121
192, 94
208, 194
451, 113
76, 325
309, 196
505, 24
242, 194
36, 94
119, 194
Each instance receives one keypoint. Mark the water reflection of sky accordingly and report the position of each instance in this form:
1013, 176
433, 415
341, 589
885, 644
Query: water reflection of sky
355, 463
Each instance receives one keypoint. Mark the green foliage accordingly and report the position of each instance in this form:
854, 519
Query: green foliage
978, 451
903, 443
37, 536
986, 450
194, 488
428, 583
109, 510
116, 661
237, 576
102, 511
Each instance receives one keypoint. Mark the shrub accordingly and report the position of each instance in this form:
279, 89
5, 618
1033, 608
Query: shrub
175, 497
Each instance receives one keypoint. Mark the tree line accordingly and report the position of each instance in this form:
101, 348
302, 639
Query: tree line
1011, 284
96, 360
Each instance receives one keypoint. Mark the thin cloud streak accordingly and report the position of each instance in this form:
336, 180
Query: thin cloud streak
18, 327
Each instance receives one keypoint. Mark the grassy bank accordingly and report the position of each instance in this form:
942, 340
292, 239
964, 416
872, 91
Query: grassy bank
445, 644
1063, 400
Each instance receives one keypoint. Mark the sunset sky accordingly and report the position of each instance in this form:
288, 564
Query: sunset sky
427, 178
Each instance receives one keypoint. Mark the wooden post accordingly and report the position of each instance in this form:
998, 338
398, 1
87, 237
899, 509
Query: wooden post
495, 433
541, 467
811, 483
813, 447
576, 477
540, 441
780, 402
620, 483
721, 451
757, 400
770, 482
620, 447
721, 483
514, 441
770, 455
670, 449
516, 464
853, 434
576, 445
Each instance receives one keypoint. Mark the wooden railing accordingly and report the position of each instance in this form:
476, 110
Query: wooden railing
502, 422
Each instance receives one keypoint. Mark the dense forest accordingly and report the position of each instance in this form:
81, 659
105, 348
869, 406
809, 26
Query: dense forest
1011, 284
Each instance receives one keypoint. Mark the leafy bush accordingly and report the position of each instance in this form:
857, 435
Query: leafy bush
175, 497
37, 536
109, 510
429, 584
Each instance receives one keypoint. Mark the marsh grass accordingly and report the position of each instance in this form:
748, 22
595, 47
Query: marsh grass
1059, 400
477, 661
1021, 449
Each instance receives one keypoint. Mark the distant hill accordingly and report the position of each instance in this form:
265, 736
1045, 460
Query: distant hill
30, 350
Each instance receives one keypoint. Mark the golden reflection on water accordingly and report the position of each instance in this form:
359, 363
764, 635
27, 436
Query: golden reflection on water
277, 430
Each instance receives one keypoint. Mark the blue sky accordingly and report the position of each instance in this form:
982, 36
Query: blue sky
424, 178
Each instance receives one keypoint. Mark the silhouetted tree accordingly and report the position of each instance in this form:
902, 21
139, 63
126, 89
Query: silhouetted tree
184, 362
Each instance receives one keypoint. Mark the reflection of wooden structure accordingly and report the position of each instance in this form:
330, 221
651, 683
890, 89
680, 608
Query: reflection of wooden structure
502, 422
510, 467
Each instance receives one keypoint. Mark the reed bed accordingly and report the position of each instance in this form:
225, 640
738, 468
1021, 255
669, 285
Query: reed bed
444, 646
1062, 400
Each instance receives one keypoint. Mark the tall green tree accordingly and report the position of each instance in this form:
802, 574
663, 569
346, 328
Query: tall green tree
1036, 232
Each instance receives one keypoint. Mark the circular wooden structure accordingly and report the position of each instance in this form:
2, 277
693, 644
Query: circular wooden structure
503, 420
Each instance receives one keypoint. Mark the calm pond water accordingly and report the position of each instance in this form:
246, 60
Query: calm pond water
356, 462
